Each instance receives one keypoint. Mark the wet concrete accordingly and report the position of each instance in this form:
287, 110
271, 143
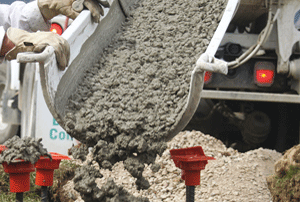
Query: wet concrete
84, 183
26, 148
79, 151
131, 99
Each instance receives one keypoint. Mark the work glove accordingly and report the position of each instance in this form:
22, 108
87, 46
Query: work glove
71, 8
37, 42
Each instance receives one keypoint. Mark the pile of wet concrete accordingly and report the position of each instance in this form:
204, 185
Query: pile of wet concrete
27, 149
85, 184
133, 97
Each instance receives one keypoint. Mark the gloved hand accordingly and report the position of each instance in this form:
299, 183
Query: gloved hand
37, 42
52, 8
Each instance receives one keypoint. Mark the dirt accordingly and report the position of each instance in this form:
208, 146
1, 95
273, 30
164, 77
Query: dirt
135, 95
287, 187
233, 176
26, 148
285, 183
290, 158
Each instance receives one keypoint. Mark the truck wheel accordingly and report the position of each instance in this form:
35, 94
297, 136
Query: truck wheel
256, 129
6, 130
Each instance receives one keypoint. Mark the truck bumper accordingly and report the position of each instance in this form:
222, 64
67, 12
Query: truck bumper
250, 96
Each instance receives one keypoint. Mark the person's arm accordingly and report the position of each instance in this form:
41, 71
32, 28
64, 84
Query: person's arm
52, 8
37, 42
15, 41
7, 45
24, 16
19, 15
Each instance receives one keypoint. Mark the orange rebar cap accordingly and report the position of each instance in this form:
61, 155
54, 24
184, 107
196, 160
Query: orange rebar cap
191, 161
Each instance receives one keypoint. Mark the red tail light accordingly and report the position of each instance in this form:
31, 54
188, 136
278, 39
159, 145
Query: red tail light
264, 76
207, 77
264, 73
56, 28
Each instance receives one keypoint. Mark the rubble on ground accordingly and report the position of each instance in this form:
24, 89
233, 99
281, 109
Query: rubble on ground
233, 176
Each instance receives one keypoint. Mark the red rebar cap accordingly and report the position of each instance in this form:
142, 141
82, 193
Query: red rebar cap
191, 161
19, 175
45, 168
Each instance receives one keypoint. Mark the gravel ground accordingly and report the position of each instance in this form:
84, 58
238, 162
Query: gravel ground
233, 176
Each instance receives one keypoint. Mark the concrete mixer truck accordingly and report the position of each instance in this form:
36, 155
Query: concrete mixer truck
257, 102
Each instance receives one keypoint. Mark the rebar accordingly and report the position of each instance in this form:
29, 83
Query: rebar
190, 193
19, 197
44, 194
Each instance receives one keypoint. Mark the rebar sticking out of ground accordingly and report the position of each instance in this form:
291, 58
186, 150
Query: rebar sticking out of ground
190, 193
19, 197
44, 194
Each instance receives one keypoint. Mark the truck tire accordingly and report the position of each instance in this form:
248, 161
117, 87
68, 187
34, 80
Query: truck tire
6, 130
257, 127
